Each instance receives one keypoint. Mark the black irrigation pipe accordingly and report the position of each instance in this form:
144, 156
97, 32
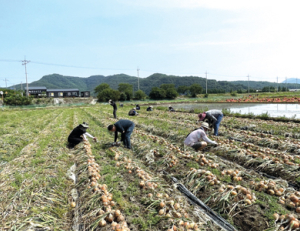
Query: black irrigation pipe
217, 219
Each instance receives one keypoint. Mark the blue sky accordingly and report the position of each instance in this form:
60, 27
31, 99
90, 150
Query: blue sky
228, 39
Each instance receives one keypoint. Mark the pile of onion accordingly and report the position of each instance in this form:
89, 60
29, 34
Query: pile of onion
268, 186
239, 193
289, 221
234, 174
113, 217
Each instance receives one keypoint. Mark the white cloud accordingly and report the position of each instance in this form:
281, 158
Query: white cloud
210, 4
193, 45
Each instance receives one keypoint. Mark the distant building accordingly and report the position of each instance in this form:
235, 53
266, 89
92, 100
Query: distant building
294, 89
85, 94
62, 93
55, 93
37, 91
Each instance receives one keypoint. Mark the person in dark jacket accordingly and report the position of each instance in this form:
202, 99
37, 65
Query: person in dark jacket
132, 112
79, 134
150, 108
213, 117
137, 107
125, 127
171, 108
114, 105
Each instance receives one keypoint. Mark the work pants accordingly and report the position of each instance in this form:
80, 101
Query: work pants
126, 136
217, 124
115, 113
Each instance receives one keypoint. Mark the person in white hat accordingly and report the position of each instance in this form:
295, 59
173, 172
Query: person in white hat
79, 134
150, 108
171, 108
194, 139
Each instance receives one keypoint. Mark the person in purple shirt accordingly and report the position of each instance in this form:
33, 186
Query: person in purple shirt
125, 127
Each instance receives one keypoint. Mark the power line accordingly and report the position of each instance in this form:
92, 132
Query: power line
81, 67
64, 65
9, 60
119, 69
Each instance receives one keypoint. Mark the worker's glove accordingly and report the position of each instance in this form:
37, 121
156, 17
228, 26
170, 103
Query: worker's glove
118, 143
113, 143
95, 139
215, 143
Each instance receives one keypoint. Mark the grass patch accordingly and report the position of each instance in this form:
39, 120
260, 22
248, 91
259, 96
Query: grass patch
193, 164
271, 204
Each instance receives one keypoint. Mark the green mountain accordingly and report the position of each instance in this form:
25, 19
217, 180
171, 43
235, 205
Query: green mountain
261, 84
56, 81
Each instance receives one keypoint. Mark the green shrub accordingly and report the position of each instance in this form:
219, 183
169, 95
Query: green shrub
108, 94
140, 95
17, 100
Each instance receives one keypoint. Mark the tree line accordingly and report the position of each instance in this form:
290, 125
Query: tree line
125, 92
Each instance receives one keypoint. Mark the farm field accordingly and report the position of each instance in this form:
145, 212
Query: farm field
252, 178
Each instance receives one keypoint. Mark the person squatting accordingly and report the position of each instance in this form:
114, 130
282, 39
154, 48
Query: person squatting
79, 134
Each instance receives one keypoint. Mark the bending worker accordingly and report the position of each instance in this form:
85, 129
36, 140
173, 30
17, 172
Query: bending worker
150, 108
79, 134
114, 105
214, 118
194, 138
133, 112
125, 127
171, 108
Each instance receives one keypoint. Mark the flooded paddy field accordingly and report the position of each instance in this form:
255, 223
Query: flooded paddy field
251, 179
273, 110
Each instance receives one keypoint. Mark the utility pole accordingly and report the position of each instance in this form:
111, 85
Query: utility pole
248, 83
285, 83
22, 88
277, 84
206, 82
5, 82
24, 62
138, 78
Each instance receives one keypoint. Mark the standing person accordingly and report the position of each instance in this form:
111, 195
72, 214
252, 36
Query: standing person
114, 105
79, 134
194, 138
132, 112
214, 118
137, 107
125, 127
